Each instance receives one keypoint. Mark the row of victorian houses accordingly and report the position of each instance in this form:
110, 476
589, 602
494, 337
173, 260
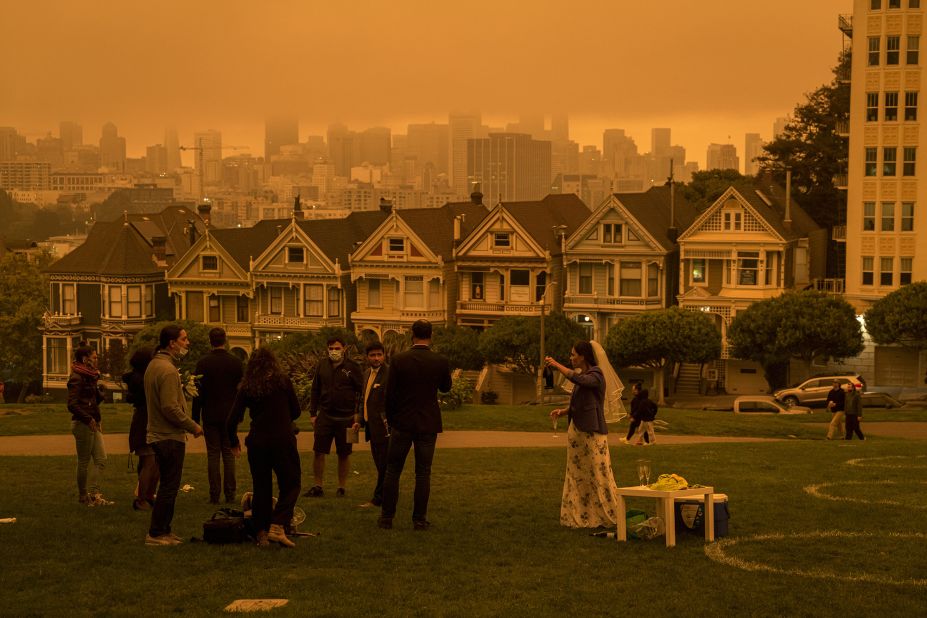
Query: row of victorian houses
464, 263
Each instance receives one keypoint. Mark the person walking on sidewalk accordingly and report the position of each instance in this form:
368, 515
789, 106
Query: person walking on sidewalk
854, 411
836, 401
84, 397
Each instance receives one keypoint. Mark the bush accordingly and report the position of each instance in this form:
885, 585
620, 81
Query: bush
46, 398
489, 397
460, 393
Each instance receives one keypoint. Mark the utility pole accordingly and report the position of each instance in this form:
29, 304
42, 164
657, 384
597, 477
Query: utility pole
539, 387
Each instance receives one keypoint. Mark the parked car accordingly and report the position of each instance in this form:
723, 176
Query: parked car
764, 404
813, 391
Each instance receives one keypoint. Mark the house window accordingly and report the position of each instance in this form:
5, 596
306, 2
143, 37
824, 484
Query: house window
610, 277
869, 216
875, 5
209, 263
295, 255
886, 268
892, 49
914, 43
611, 233
748, 263
477, 288
910, 106
415, 292
214, 313
313, 301
698, 270
907, 265
907, 216
873, 51
733, 221
888, 217
889, 161
585, 278
910, 161
519, 284
115, 301
540, 286
148, 300
434, 294
872, 161
373, 293
57, 355
653, 280
334, 302
502, 240
629, 282
134, 301
891, 106
276, 301
914, 4
396, 245
68, 302
868, 266
894, 4
872, 107
501, 287
241, 309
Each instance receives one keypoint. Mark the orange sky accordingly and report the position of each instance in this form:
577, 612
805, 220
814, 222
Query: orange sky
707, 68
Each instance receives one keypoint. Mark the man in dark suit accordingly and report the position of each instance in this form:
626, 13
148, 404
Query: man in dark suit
414, 418
376, 430
221, 372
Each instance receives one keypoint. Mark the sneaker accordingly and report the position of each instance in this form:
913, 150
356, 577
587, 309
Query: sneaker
164, 539
175, 537
314, 492
624, 440
99, 500
340, 492
421, 524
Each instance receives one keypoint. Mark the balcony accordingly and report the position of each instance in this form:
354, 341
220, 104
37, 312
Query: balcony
599, 301
262, 320
835, 287
399, 316
58, 320
841, 181
839, 233
845, 24
470, 307
125, 324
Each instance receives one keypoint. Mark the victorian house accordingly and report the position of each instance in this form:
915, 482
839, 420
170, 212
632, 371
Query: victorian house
624, 259
111, 287
750, 244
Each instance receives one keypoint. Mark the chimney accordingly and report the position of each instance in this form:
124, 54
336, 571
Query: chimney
159, 249
204, 210
477, 195
458, 220
191, 230
386, 205
787, 221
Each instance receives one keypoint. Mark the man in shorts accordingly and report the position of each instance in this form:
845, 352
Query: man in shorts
336, 393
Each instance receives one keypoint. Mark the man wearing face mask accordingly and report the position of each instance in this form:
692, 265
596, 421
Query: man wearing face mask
336, 393
168, 424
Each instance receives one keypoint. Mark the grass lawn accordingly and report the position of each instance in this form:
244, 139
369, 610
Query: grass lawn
496, 547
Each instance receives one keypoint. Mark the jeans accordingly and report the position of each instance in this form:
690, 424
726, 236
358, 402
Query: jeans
836, 425
89, 446
399, 444
265, 462
218, 447
379, 451
169, 454
853, 427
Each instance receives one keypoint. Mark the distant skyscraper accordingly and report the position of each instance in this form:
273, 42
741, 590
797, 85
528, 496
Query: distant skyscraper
779, 126
753, 147
722, 157
156, 159
71, 134
620, 153
207, 156
560, 128
279, 132
9, 143
428, 143
463, 127
509, 166
112, 148
343, 149
172, 146
375, 144
660, 141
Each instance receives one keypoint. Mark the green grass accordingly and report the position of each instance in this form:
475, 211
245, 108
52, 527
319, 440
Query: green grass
496, 548
42, 419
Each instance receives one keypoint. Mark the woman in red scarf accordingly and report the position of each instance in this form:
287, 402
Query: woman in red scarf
84, 399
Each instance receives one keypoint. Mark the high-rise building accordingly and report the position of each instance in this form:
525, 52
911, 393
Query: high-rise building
71, 134
463, 127
886, 183
279, 132
509, 166
375, 144
428, 143
172, 145
779, 126
620, 154
156, 159
660, 141
753, 147
343, 149
207, 156
112, 148
10, 143
722, 157
560, 127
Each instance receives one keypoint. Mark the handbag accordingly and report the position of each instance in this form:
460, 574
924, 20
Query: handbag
224, 527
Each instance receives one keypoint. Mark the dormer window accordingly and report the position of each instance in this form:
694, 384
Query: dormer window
733, 221
502, 240
396, 245
209, 263
295, 255
612, 234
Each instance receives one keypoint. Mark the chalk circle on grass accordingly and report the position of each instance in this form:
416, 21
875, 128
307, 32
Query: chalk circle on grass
718, 552
887, 462
821, 490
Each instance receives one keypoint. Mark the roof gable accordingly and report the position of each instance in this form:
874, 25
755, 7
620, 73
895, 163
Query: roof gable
293, 252
499, 235
732, 213
192, 266
394, 241
612, 227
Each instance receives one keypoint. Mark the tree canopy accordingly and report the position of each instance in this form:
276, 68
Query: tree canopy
460, 345
516, 341
197, 333
23, 302
707, 186
898, 318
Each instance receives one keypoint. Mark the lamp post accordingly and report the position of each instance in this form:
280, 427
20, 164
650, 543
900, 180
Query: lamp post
559, 231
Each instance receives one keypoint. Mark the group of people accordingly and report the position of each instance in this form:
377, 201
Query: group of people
396, 405
845, 403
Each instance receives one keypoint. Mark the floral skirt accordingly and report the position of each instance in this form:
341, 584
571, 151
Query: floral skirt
589, 491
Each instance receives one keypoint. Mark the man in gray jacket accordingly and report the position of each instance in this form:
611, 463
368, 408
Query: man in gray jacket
168, 424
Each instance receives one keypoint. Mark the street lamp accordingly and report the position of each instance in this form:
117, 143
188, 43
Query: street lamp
560, 232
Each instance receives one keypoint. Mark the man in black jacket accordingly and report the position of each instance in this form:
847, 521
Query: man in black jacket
376, 430
414, 418
221, 372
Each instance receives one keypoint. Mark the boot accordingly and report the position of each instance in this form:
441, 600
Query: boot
277, 535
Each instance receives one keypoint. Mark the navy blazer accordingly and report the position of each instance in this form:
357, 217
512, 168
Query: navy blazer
587, 402
375, 428
415, 377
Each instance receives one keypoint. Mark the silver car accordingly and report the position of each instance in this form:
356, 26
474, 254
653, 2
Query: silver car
813, 391
764, 404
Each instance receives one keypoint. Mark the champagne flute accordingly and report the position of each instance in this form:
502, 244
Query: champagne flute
553, 422
643, 472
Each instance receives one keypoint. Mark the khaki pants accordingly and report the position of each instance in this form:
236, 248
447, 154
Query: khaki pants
836, 425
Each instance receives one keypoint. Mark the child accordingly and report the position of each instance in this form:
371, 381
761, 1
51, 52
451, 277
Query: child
648, 412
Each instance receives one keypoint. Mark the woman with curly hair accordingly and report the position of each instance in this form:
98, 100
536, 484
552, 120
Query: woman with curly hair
267, 392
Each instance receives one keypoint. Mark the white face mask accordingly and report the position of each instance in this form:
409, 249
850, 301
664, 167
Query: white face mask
181, 352
335, 355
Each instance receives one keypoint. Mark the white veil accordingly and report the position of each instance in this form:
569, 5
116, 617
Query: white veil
614, 409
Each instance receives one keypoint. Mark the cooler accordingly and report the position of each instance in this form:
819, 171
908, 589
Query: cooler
690, 515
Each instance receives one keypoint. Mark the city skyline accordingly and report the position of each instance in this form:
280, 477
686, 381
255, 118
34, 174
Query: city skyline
322, 64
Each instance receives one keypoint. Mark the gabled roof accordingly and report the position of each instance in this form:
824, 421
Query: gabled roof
243, 244
435, 226
652, 210
538, 218
337, 238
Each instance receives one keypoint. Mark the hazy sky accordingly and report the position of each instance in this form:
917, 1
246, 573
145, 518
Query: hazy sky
708, 69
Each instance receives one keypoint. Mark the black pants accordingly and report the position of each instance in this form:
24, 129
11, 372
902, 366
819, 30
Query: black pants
380, 451
169, 454
852, 421
218, 447
399, 444
281, 460
635, 423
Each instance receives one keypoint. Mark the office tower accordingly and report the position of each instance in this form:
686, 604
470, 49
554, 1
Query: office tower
660, 141
463, 127
886, 184
375, 145
509, 166
532, 124
172, 146
560, 127
156, 159
619, 153
207, 156
112, 149
428, 143
343, 149
71, 134
49, 150
590, 161
722, 157
9, 143
279, 132
779, 126
753, 147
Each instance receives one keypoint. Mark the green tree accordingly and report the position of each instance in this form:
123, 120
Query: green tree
804, 325
658, 339
899, 317
516, 341
197, 333
812, 149
460, 345
23, 301
707, 186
